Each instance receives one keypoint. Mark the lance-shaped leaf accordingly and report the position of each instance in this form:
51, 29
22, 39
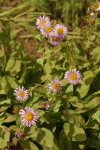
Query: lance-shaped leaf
74, 132
4, 104
46, 139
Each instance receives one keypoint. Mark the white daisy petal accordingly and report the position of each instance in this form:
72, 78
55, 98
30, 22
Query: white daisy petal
29, 116
60, 30
21, 93
73, 76
55, 85
41, 21
46, 30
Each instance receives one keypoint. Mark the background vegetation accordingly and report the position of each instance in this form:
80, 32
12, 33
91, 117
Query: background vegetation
27, 58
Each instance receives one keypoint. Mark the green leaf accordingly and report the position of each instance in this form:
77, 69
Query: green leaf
69, 90
85, 83
32, 133
12, 82
92, 103
2, 53
2, 117
13, 66
10, 64
28, 145
71, 117
9, 118
93, 143
3, 143
64, 141
3, 85
40, 61
4, 104
96, 115
56, 106
4, 136
2, 59
14, 128
95, 55
52, 117
92, 124
76, 102
47, 72
17, 67
23, 74
74, 133
46, 139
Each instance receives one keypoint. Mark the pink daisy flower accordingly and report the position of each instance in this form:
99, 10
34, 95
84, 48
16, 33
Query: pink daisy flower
55, 40
18, 134
73, 76
28, 116
60, 30
41, 21
46, 30
98, 9
55, 85
21, 93
96, 6
45, 105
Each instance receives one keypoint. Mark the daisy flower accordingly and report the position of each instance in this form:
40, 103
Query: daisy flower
18, 134
21, 93
55, 40
98, 9
28, 116
55, 85
60, 30
96, 6
46, 30
90, 19
73, 76
45, 105
41, 21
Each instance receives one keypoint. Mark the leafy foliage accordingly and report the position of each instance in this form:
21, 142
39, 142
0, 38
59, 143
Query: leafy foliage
27, 59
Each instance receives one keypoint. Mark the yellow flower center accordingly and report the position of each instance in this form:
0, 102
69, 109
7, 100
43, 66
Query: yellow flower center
21, 93
48, 29
55, 86
29, 116
95, 5
60, 31
42, 22
73, 76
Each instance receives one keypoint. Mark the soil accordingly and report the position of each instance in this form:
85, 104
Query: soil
10, 3
28, 43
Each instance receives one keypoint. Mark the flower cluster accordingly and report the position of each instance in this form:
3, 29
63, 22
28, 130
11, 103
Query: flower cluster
73, 77
28, 116
55, 33
93, 9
